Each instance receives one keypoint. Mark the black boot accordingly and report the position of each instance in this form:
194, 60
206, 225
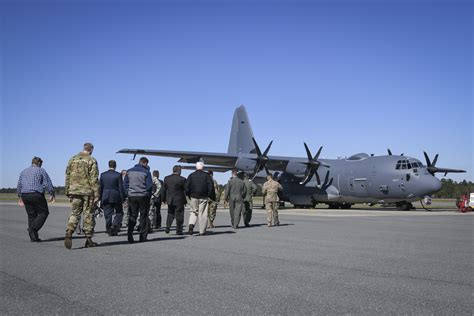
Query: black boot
191, 228
130, 235
33, 235
114, 231
90, 243
143, 236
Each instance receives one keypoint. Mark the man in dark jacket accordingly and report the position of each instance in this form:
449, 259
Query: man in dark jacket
172, 193
111, 198
138, 186
200, 188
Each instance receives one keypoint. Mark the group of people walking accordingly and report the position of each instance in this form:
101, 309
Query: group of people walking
137, 191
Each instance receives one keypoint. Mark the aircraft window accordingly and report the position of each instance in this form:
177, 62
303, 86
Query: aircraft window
398, 165
409, 166
404, 166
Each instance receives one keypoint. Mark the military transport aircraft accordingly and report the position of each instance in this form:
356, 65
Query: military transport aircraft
361, 178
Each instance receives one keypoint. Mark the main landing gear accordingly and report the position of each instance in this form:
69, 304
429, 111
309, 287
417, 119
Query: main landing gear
404, 206
344, 206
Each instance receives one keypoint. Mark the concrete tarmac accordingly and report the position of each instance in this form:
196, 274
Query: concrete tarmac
318, 262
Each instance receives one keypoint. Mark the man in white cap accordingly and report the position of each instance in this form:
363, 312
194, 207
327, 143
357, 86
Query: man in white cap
199, 188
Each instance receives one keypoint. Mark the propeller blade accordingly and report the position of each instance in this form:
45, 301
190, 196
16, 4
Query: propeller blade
318, 178
268, 149
308, 177
308, 152
326, 178
319, 152
435, 160
389, 151
257, 149
447, 170
428, 161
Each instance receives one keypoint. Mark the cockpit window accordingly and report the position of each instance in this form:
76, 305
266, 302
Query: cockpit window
416, 163
403, 164
408, 164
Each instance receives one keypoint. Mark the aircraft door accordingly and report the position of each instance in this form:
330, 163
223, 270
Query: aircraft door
351, 184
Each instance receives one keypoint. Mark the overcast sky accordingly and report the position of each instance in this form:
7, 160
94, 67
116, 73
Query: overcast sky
353, 76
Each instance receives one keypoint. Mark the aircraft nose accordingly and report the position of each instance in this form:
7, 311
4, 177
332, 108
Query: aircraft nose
435, 184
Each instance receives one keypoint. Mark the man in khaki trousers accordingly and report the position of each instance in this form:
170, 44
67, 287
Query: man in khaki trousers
199, 187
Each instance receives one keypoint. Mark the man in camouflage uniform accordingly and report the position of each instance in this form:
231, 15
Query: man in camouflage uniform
248, 200
235, 192
213, 204
125, 204
270, 190
82, 188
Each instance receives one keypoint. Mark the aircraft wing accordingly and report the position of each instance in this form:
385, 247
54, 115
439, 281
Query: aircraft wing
206, 167
220, 159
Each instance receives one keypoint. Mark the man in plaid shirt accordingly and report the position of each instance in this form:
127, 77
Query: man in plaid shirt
32, 183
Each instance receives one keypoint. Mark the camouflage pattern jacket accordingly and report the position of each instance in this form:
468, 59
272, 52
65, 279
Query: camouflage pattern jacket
217, 190
82, 175
270, 191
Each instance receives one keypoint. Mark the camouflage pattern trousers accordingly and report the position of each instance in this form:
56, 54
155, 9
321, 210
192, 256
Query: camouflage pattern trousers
212, 210
272, 213
82, 204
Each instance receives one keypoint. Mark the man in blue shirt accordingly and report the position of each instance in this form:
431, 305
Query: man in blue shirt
32, 183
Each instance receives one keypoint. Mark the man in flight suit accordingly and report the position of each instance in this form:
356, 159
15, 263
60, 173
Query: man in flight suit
235, 192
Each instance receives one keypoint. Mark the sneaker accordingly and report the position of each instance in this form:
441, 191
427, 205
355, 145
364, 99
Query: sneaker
167, 230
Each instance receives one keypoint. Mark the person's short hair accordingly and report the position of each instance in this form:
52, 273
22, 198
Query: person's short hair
210, 172
143, 160
176, 169
112, 164
156, 173
199, 165
88, 147
123, 171
36, 161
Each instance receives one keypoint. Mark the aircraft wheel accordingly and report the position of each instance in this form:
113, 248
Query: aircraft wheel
346, 206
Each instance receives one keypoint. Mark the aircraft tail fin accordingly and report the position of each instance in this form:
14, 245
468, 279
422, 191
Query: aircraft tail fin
241, 133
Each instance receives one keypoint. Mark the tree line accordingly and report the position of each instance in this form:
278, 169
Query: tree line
453, 189
450, 189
